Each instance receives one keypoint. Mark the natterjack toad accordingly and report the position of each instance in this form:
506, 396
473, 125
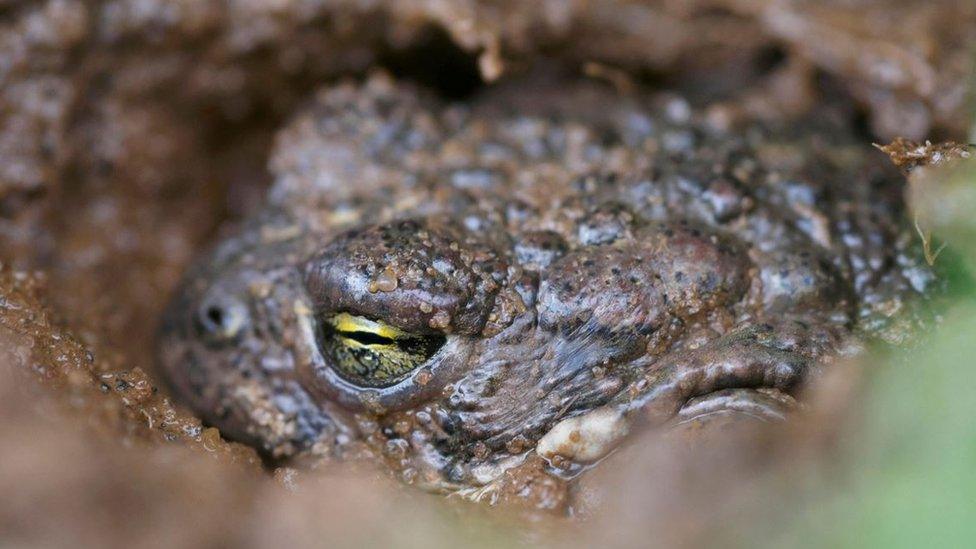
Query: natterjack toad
458, 288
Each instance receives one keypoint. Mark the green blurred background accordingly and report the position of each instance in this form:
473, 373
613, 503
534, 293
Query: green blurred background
909, 474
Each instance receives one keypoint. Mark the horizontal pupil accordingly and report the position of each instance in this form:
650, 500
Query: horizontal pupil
368, 338
412, 345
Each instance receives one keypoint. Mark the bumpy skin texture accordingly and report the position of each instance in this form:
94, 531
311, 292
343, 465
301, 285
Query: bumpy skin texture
581, 251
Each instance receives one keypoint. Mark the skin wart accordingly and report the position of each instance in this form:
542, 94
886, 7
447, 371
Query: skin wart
523, 281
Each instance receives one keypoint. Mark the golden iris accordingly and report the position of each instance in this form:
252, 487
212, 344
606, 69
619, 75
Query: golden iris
373, 353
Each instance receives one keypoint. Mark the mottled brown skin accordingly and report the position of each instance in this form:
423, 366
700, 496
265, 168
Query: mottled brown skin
578, 249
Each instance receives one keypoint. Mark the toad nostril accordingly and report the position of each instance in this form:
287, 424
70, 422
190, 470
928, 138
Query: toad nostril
221, 318
215, 316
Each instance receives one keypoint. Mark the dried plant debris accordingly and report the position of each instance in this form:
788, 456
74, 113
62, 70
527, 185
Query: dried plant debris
908, 155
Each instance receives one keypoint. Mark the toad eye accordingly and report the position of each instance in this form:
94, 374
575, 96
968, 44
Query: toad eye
372, 353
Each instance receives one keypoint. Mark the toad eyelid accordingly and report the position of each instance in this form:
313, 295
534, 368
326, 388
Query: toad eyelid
347, 324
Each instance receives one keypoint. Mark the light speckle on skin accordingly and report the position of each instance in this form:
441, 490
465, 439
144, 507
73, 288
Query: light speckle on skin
440, 320
386, 281
301, 309
584, 438
260, 289
423, 377
271, 234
